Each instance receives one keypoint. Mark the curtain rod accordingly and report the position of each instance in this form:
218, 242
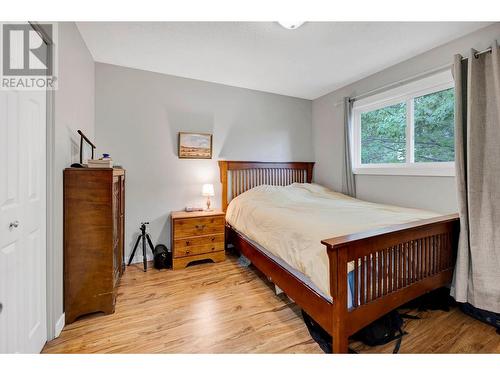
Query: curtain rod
477, 54
413, 78
401, 82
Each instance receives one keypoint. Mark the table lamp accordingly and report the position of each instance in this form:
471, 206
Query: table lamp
208, 191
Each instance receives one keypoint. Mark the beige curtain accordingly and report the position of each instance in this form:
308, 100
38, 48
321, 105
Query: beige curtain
348, 180
477, 161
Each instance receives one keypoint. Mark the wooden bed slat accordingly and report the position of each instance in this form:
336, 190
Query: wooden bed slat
417, 260
428, 258
368, 278
398, 267
379, 273
390, 272
373, 265
363, 281
431, 256
413, 257
424, 257
437, 252
405, 264
385, 271
356, 283
443, 254
438, 256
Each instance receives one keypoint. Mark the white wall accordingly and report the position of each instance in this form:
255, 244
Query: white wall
73, 110
138, 117
434, 193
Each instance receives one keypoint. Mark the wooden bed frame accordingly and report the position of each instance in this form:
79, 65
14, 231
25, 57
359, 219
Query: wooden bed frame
414, 258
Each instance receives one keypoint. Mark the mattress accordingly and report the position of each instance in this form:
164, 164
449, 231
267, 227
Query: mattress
289, 222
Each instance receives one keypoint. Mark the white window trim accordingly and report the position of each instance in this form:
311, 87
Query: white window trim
404, 93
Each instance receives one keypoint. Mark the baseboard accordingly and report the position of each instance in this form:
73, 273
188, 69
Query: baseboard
59, 325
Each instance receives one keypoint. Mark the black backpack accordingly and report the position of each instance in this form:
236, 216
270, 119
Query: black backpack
380, 332
162, 257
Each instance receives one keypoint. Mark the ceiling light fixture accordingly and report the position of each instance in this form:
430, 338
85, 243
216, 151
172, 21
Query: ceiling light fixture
290, 25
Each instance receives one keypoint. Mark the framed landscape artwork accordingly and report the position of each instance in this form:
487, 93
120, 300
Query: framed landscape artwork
195, 145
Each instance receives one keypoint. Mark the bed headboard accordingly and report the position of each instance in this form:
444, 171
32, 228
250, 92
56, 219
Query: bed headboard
239, 176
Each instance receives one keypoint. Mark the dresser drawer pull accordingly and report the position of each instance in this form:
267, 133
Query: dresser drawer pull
188, 252
213, 239
213, 248
200, 226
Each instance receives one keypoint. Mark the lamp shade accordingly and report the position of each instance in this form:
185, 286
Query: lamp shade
207, 190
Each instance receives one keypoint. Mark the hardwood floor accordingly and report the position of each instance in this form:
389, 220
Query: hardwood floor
225, 308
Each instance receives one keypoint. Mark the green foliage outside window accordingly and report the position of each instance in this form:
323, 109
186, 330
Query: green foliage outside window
383, 135
434, 127
383, 131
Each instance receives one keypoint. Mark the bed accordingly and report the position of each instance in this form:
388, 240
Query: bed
372, 259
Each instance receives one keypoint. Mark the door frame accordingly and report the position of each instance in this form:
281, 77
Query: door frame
54, 324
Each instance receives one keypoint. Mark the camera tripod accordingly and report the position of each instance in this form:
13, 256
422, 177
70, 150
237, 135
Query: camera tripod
145, 237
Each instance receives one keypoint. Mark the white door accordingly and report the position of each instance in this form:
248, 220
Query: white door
22, 221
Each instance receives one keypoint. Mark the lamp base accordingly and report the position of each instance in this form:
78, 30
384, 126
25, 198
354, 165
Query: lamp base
208, 205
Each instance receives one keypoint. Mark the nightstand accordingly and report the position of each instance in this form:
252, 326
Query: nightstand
196, 236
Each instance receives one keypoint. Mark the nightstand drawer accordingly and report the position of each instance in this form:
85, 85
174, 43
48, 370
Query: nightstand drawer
197, 241
198, 249
198, 226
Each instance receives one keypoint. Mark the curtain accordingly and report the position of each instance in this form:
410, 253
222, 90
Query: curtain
348, 181
477, 161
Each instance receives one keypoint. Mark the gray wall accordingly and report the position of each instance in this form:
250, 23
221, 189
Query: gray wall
138, 116
433, 193
73, 110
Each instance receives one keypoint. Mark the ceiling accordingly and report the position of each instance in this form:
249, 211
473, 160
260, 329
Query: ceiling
308, 62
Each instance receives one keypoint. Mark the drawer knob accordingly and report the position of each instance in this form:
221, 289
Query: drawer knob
200, 226
213, 239
213, 248
188, 252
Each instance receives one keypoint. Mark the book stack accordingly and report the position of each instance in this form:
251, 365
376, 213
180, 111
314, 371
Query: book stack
193, 209
101, 163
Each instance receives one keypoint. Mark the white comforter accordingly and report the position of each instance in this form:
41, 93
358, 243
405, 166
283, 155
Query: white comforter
291, 221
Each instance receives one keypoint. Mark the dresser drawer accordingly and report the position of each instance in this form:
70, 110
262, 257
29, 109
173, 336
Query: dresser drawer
198, 226
204, 248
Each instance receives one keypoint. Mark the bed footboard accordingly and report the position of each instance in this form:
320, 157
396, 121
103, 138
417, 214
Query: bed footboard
390, 266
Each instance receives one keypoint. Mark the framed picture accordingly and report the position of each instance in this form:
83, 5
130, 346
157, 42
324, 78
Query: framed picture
195, 145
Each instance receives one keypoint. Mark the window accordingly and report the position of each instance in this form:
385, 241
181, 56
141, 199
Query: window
408, 130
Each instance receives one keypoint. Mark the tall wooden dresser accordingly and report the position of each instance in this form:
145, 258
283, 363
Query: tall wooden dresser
94, 211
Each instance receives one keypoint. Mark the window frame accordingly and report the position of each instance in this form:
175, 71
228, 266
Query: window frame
404, 93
